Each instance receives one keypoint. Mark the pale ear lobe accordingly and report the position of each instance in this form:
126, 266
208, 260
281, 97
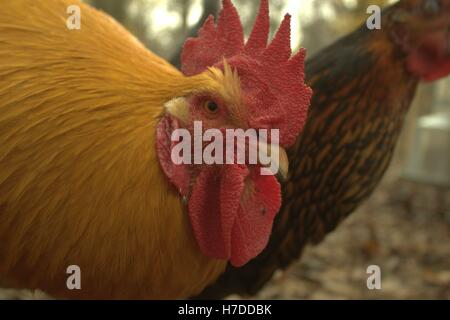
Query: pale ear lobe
179, 109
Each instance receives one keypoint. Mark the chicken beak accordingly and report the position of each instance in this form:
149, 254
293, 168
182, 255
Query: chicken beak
283, 170
274, 159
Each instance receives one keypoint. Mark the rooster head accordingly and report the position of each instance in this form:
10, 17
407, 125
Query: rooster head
422, 29
240, 86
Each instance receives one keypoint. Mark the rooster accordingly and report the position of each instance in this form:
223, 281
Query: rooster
86, 174
363, 87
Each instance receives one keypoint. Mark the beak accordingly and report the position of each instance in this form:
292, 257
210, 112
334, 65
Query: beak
275, 159
283, 171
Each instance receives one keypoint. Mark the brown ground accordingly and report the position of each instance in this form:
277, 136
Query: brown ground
404, 228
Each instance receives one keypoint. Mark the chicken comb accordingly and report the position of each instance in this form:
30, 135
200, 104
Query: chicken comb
273, 84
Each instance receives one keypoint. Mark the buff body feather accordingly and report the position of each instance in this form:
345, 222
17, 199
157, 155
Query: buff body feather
80, 181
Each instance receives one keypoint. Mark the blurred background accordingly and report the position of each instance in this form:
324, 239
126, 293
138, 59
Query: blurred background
405, 226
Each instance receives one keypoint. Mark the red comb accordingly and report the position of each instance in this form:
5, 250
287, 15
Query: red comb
272, 80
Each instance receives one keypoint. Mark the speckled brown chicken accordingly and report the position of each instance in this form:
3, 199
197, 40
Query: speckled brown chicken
363, 86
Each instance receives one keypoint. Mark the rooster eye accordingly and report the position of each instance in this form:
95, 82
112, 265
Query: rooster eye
432, 7
211, 107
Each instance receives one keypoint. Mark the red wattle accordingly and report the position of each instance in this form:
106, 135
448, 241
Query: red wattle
252, 228
231, 209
